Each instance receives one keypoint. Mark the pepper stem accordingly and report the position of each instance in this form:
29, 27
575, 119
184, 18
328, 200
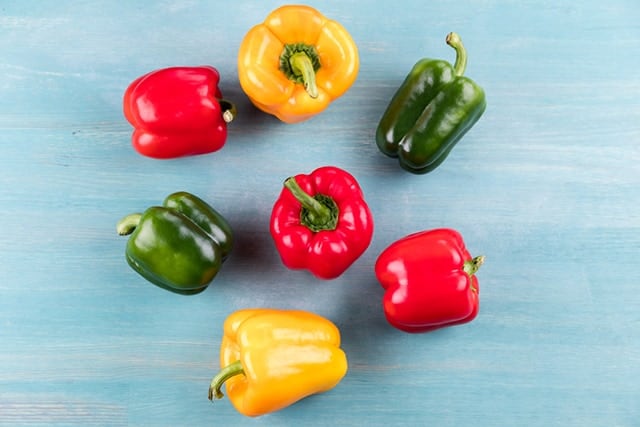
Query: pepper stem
228, 110
471, 266
319, 212
454, 40
299, 62
127, 224
225, 373
301, 66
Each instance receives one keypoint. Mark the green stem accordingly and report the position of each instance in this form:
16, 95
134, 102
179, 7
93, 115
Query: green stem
319, 212
302, 66
299, 62
471, 266
228, 110
127, 224
225, 373
454, 40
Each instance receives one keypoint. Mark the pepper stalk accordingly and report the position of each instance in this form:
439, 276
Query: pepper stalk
223, 375
228, 110
472, 266
319, 212
127, 224
299, 62
454, 40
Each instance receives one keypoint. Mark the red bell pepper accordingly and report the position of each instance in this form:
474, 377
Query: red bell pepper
321, 222
177, 111
430, 281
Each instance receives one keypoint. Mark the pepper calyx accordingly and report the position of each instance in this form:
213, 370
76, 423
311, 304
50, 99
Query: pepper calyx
319, 212
300, 62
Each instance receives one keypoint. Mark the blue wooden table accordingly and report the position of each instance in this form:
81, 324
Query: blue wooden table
546, 186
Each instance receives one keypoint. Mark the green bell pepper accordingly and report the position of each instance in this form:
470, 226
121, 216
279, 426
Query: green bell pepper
433, 108
179, 246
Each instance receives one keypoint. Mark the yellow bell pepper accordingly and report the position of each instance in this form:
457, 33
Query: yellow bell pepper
272, 358
296, 62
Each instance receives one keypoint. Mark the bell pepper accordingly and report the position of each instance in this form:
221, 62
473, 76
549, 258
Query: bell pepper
272, 358
430, 281
321, 222
178, 246
431, 111
177, 111
296, 62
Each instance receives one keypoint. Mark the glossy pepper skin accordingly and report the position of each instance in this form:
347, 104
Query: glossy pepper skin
179, 246
431, 111
296, 62
321, 222
272, 358
430, 281
177, 111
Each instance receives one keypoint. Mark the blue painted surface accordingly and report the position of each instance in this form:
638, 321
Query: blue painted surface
546, 186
